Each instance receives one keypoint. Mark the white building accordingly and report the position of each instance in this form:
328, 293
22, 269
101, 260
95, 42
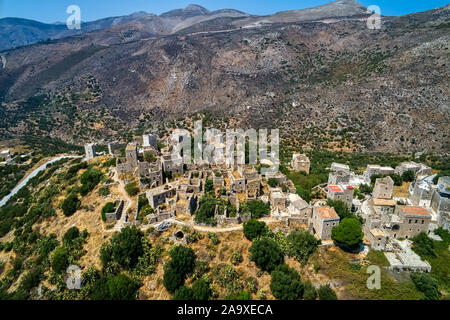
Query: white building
90, 151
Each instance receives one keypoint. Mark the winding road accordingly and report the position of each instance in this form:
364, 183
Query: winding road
30, 176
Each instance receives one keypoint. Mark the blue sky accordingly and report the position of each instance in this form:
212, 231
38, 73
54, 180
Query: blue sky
55, 10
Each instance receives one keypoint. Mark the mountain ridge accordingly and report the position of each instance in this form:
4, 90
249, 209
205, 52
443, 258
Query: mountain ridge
326, 83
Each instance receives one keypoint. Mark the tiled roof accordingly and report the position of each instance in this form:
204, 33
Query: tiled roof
415, 211
327, 213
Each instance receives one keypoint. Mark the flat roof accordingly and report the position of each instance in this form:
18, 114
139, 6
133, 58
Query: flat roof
236, 175
377, 233
384, 202
131, 146
327, 213
415, 211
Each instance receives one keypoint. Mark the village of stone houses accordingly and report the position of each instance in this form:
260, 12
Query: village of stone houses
147, 225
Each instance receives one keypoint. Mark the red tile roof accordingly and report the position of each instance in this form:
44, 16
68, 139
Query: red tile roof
335, 188
327, 213
415, 211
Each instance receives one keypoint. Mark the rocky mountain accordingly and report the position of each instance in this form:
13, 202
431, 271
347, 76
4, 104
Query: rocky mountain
320, 75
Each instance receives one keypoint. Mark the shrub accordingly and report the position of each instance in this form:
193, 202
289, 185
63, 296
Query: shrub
200, 290
183, 293
132, 189
71, 234
209, 185
254, 229
236, 257
122, 287
309, 293
205, 211
285, 283
326, 293
426, 284
107, 208
172, 279
256, 208
70, 205
125, 248
244, 295
214, 239
183, 259
408, 176
272, 182
89, 180
301, 245
266, 253
31, 279
60, 260
104, 191
423, 245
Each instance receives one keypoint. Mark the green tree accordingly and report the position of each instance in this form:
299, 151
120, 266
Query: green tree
209, 185
309, 293
132, 189
60, 260
70, 205
172, 279
254, 229
326, 293
266, 254
285, 283
107, 208
183, 293
182, 259
70, 236
423, 245
272, 182
200, 290
89, 180
122, 287
426, 284
341, 208
256, 208
348, 233
408, 176
125, 247
205, 211
301, 245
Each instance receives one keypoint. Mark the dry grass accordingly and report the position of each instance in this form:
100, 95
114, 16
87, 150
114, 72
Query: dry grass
401, 192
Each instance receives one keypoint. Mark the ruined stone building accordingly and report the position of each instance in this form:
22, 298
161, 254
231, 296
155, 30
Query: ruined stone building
341, 193
339, 174
376, 169
378, 238
150, 141
409, 221
418, 168
298, 209
159, 196
300, 162
237, 181
114, 148
131, 154
383, 188
421, 191
90, 151
172, 164
277, 199
150, 174
440, 202
324, 219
